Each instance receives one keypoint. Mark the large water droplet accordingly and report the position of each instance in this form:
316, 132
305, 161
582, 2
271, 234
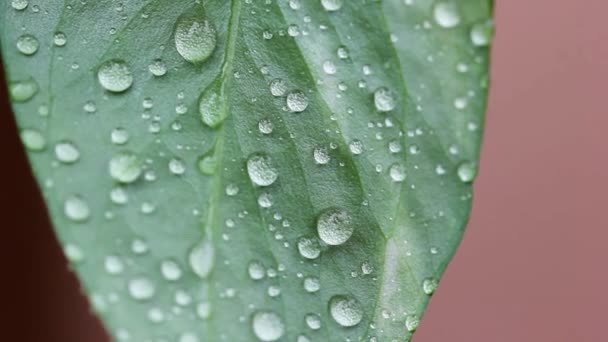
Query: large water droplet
67, 152
331, 5
384, 100
195, 37
19, 5
27, 44
297, 101
125, 167
22, 91
211, 105
467, 172
446, 14
345, 310
76, 209
261, 170
334, 226
33, 139
202, 258
267, 326
115, 76
141, 288
481, 33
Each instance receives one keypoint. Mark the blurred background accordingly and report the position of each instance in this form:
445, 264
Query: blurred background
532, 265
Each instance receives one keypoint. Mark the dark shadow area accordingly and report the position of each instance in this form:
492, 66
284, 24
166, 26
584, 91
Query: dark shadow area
42, 297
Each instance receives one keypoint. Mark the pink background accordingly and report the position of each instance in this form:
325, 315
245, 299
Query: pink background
533, 264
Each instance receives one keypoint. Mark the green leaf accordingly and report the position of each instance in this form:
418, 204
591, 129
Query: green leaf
253, 170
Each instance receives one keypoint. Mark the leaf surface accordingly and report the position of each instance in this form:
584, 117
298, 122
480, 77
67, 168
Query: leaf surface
253, 170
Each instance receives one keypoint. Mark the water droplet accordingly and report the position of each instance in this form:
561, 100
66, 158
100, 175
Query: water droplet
446, 14
27, 44
33, 139
171, 270
60, 39
274, 291
125, 168
367, 268
411, 323
188, 337
265, 200
19, 5
429, 285
119, 136
119, 196
356, 147
384, 100
23, 91
113, 265
195, 37
278, 87
177, 167
76, 209
313, 321
158, 68
207, 165
73, 253
115, 76
329, 67
481, 33
312, 284
267, 326
202, 258
232, 190
331, 5
261, 170
141, 288
309, 248
67, 152
321, 155
297, 101
211, 105
467, 172
334, 226
342, 52
265, 126
256, 270
397, 172
345, 310
203, 310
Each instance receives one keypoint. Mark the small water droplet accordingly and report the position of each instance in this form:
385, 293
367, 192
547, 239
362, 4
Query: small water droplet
171, 270
397, 172
265, 126
429, 285
115, 76
481, 33
356, 147
120, 136
19, 5
278, 87
312, 284
256, 270
334, 226
321, 155
309, 248
411, 323
113, 265
203, 310
211, 105
158, 68
33, 140
265, 200
177, 167
345, 310
207, 165
267, 326
73, 253
313, 321
60, 39
261, 170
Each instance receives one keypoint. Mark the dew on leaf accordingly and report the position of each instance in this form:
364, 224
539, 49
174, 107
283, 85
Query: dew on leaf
446, 14
384, 100
312, 284
309, 248
278, 87
397, 172
207, 165
157, 68
141, 288
481, 33
67, 152
265, 126
73, 253
60, 39
113, 265
195, 37
256, 270
211, 105
467, 172
411, 323
267, 326
119, 136
76, 209
321, 155
203, 310
176, 166
19, 5
115, 76
356, 147
125, 167
171, 270
335, 226
345, 310
27, 44
261, 170
331, 5
265, 200
297, 101
313, 321
429, 285
23, 91
202, 258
